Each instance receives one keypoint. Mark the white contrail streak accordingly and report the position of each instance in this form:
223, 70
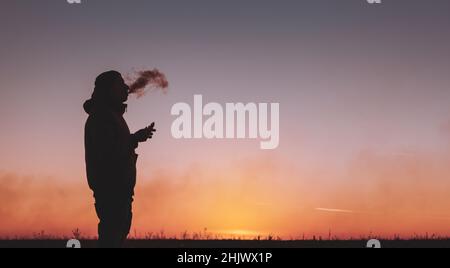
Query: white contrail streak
334, 210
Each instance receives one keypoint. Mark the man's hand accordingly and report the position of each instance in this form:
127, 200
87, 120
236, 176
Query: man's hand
144, 134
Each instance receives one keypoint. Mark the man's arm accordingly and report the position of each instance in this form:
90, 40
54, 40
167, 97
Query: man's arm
143, 135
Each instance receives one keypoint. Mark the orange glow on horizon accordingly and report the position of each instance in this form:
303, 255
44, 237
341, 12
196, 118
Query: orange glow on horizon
245, 202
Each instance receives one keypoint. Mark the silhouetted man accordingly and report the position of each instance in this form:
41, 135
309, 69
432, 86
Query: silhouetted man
111, 158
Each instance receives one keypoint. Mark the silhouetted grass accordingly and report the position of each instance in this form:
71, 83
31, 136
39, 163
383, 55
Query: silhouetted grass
229, 244
205, 239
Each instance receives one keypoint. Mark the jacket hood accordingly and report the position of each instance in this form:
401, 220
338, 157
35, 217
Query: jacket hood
91, 106
88, 106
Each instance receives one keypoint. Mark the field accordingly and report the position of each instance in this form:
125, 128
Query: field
230, 244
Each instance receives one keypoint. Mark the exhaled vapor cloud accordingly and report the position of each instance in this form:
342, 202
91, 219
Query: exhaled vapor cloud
143, 81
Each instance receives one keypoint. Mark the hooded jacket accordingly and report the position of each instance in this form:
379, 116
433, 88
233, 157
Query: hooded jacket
109, 151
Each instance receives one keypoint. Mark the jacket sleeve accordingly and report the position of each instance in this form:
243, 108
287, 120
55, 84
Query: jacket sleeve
133, 141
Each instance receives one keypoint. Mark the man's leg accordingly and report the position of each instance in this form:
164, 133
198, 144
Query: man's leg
115, 221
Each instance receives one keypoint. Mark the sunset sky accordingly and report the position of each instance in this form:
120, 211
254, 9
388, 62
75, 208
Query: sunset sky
364, 93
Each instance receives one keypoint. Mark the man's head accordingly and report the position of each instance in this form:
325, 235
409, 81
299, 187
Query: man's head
111, 87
